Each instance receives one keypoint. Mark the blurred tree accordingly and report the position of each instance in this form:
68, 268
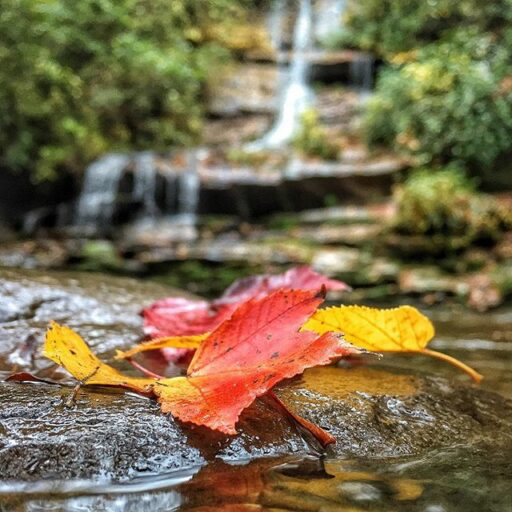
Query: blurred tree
78, 78
391, 26
448, 102
445, 94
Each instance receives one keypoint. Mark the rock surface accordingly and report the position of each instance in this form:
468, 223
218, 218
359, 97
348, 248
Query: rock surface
107, 434
119, 436
104, 309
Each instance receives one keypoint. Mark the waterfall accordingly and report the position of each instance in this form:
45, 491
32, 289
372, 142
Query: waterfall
188, 191
144, 185
275, 24
99, 191
361, 73
297, 95
329, 18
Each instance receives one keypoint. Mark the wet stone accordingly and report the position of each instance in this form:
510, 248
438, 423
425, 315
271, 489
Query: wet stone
110, 435
107, 434
377, 413
104, 309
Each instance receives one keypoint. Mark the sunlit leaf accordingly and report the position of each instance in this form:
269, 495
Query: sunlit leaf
402, 329
66, 348
177, 342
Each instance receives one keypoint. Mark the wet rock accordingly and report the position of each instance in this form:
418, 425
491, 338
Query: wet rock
355, 266
427, 279
231, 250
119, 436
372, 413
40, 253
378, 413
347, 214
356, 234
346, 261
113, 435
104, 309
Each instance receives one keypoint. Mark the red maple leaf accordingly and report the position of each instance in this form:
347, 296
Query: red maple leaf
183, 317
243, 358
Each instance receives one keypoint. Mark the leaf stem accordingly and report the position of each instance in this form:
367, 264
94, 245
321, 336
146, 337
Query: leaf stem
323, 437
145, 371
477, 377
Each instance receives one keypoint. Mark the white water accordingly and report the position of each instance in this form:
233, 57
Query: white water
99, 191
328, 21
188, 191
297, 94
361, 74
144, 185
275, 24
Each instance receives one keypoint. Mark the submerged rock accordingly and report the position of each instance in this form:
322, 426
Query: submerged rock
107, 434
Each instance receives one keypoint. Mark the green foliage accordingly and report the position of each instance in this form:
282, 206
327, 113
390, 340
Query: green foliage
449, 103
312, 138
392, 26
445, 206
78, 78
446, 95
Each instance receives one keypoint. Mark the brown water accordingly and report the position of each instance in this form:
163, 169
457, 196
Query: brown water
459, 479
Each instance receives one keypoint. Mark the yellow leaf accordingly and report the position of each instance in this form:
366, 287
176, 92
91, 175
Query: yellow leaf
66, 348
402, 329
189, 342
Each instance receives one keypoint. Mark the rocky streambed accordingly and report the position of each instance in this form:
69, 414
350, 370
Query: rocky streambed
385, 419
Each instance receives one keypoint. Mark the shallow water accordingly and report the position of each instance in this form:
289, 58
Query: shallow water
443, 481
459, 479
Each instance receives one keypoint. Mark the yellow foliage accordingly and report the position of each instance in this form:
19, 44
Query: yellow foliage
188, 342
381, 330
402, 329
66, 348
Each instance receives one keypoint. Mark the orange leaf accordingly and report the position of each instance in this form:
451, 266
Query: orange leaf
246, 356
179, 342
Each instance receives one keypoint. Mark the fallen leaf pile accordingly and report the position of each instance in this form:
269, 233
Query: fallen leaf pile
176, 316
261, 331
243, 358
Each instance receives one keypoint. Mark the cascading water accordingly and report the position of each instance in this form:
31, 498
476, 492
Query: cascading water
144, 185
99, 192
188, 190
275, 24
328, 21
361, 74
297, 94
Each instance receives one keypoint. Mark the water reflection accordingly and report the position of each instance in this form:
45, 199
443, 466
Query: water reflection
453, 480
